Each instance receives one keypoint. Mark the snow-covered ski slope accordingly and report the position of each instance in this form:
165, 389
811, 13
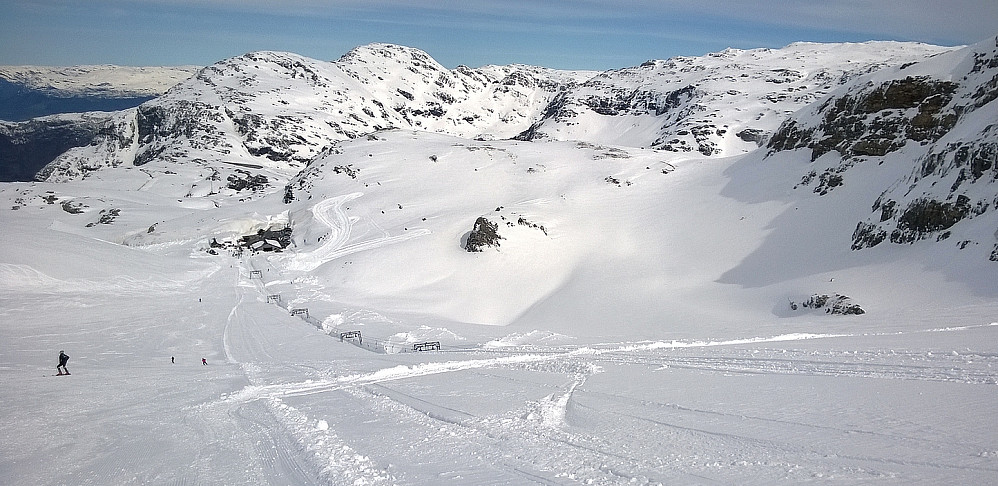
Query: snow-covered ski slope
640, 322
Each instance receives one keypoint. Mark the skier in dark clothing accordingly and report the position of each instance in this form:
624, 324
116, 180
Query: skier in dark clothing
63, 359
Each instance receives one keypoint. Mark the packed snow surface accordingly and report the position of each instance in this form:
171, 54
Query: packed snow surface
638, 323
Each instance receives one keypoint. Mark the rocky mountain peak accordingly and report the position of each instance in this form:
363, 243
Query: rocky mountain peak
387, 55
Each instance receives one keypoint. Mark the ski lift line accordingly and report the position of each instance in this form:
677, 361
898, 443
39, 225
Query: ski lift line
426, 346
387, 345
375, 344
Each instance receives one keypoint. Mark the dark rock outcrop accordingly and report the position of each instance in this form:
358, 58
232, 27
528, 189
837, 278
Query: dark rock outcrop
944, 121
926, 216
876, 121
836, 305
484, 234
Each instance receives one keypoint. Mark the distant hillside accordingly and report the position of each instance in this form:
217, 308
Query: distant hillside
45, 111
33, 91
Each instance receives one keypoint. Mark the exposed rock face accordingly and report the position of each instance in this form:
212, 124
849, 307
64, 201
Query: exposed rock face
925, 216
26, 147
837, 305
752, 135
110, 146
939, 113
484, 234
921, 219
170, 132
875, 122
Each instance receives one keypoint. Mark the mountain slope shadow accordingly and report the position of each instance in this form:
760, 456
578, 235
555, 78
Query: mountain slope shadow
812, 234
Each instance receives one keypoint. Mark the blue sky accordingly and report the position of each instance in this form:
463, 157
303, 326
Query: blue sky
566, 34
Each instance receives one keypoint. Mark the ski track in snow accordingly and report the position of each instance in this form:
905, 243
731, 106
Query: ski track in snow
267, 426
536, 442
330, 213
401, 372
931, 367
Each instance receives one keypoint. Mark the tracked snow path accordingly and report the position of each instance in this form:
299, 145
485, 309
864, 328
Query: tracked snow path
400, 372
282, 403
567, 415
330, 213
561, 415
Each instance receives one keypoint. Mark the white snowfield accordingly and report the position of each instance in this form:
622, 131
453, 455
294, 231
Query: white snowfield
634, 325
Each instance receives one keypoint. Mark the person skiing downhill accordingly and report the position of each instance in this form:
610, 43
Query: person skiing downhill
63, 359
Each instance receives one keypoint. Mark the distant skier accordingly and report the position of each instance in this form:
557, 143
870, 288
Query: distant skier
204, 362
63, 359
171, 360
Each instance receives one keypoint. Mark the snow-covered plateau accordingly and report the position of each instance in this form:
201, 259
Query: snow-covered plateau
770, 266
33, 91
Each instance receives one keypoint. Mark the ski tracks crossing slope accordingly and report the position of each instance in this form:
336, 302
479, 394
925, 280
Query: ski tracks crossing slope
330, 213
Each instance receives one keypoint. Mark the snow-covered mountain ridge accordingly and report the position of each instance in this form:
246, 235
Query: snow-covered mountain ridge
718, 104
280, 109
284, 108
